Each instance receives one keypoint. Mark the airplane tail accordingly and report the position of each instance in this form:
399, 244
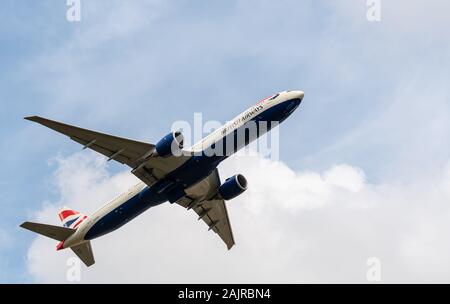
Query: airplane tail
70, 219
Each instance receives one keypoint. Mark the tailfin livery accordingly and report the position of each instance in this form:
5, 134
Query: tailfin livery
71, 218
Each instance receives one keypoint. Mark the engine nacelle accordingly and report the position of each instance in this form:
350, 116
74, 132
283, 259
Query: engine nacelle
233, 187
169, 145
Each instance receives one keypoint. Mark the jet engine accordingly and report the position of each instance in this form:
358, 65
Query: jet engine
233, 186
169, 145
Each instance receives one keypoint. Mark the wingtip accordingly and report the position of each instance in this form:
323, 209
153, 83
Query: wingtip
31, 118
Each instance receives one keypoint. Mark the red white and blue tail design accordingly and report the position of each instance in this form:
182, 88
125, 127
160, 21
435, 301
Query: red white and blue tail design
71, 218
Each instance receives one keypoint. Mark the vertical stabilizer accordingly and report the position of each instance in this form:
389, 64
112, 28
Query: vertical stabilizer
71, 218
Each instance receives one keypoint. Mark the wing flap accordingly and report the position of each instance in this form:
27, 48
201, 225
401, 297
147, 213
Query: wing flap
215, 214
121, 157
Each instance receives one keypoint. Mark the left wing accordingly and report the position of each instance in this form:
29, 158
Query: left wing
203, 199
125, 151
133, 153
214, 213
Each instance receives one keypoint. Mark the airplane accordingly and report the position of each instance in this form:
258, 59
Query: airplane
167, 172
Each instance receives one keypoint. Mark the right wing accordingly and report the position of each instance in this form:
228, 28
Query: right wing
214, 213
133, 153
203, 199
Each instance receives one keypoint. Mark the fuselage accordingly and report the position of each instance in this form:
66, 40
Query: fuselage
207, 154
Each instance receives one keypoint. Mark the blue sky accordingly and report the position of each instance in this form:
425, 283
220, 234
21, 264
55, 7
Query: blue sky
376, 93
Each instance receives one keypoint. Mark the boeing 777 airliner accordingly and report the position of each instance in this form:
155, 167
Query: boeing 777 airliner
168, 172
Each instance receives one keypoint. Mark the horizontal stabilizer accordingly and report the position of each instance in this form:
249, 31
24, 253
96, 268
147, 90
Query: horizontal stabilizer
54, 232
84, 252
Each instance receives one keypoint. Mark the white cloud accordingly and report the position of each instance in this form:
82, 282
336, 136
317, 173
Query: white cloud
289, 227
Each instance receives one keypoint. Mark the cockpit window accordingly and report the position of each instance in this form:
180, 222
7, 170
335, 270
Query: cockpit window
268, 99
274, 96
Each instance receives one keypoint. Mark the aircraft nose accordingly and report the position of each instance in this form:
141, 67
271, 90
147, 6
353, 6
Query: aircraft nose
299, 94
293, 103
